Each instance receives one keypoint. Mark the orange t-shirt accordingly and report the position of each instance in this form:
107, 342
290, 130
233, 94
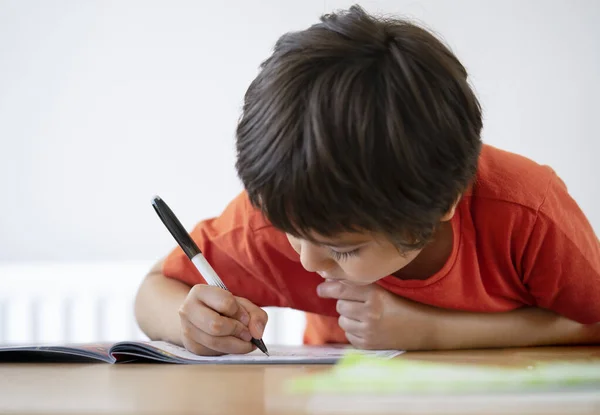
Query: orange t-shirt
519, 240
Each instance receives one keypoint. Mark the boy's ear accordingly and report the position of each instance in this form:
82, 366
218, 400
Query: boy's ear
450, 214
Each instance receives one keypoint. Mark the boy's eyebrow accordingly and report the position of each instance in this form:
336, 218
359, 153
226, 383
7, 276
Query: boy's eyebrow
338, 244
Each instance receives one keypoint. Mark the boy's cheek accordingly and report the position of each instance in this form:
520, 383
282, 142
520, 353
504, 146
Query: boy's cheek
363, 274
294, 243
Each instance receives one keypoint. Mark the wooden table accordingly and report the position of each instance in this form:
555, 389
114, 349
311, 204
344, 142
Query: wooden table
232, 390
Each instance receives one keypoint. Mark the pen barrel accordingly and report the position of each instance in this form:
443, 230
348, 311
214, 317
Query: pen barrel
207, 272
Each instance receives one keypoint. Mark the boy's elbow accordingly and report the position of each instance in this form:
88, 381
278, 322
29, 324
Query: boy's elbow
593, 333
157, 303
143, 299
139, 307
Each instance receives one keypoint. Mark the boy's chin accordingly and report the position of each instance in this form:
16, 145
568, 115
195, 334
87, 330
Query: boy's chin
356, 283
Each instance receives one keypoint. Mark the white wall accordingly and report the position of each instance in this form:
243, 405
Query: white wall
80, 302
105, 103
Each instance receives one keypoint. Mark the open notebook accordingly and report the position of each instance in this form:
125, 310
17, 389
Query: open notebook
159, 351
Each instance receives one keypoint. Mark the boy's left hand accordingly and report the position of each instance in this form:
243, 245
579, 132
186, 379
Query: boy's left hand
374, 318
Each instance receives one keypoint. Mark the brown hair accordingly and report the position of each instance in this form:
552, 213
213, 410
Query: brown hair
362, 124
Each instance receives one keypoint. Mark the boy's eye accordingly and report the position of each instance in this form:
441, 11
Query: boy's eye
342, 256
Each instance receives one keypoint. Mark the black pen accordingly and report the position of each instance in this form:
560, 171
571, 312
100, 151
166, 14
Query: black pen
193, 252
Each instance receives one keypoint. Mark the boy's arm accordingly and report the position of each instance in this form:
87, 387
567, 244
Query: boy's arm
561, 270
560, 265
157, 306
374, 318
518, 328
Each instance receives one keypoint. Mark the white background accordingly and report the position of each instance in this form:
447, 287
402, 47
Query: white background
105, 103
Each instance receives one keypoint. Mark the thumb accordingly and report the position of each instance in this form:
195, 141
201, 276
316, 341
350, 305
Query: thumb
258, 317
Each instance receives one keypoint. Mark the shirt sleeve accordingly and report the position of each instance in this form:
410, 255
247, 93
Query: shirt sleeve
561, 261
228, 244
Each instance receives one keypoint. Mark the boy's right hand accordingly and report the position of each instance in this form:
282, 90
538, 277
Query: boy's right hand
215, 322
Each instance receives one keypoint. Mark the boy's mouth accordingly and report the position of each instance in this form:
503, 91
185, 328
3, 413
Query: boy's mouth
345, 282
328, 277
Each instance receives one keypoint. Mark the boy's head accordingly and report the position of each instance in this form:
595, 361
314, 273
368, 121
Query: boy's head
358, 127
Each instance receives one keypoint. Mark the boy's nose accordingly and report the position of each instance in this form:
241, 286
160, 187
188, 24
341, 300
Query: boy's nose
312, 260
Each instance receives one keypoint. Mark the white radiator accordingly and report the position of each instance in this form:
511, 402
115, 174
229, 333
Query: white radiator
90, 302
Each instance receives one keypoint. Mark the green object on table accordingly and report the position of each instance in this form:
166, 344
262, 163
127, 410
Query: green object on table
356, 373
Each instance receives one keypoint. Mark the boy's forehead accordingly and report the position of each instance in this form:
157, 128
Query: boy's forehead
341, 240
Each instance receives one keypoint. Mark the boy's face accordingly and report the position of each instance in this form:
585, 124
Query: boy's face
352, 258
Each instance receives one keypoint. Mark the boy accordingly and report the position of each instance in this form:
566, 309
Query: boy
371, 203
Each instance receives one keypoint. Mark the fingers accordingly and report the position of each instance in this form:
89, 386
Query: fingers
358, 342
199, 342
222, 301
258, 317
214, 324
196, 348
357, 328
350, 309
213, 321
337, 290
